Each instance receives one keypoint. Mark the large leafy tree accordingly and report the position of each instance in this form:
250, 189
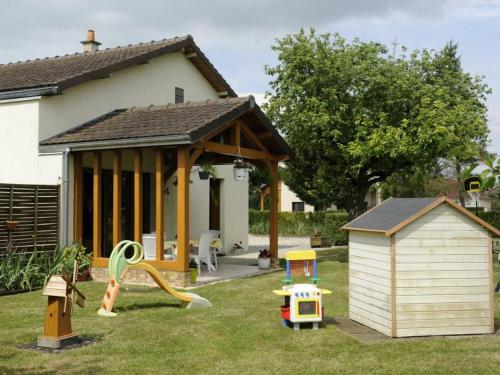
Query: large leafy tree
356, 113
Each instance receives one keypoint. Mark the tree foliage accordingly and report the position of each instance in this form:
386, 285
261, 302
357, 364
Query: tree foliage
356, 113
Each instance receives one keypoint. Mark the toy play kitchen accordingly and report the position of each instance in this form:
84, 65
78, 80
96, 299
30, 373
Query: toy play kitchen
303, 302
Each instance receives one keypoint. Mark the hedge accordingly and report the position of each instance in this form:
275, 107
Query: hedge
491, 217
302, 224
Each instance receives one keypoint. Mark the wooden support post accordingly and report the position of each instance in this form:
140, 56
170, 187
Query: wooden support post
138, 195
183, 171
117, 196
236, 134
273, 215
78, 198
261, 200
159, 212
96, 233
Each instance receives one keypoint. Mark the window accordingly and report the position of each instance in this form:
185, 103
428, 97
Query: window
297, 206
179, 95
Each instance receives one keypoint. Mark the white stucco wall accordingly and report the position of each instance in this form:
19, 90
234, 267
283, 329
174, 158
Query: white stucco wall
19, 141
288, 197
234, 207
140, 85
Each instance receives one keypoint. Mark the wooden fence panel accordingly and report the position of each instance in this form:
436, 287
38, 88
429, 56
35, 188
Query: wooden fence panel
35, 208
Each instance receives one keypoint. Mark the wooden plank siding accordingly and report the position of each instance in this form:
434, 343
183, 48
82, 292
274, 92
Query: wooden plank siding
36, 209
370, 280
442, 275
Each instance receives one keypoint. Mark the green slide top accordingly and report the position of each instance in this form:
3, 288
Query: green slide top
118, 260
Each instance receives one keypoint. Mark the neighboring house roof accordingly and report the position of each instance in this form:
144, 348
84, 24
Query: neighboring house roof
52, 75
182, 123
395, 213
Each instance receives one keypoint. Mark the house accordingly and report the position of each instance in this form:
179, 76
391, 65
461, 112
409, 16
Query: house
290, 202
119, 132
421, 267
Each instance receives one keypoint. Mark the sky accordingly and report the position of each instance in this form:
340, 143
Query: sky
237, 35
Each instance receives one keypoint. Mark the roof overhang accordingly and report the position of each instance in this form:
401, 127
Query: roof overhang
32, 92
171, 140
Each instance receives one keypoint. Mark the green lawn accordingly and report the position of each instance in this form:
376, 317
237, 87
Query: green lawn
240, 334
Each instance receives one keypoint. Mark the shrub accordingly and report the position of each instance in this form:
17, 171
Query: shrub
491, 217
27, 271
22, 271
333, 222
302, 224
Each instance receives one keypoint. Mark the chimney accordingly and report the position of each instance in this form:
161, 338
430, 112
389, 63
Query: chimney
90, 45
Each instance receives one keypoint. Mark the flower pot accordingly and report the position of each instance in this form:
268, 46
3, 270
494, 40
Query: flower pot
11, 224
203, 175
194, 275
322, 241
240, 174
264, 263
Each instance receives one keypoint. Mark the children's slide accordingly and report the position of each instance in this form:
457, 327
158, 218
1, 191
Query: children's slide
118, 267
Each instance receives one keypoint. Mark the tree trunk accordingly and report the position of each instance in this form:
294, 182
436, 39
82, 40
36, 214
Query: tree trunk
359, 206
461, 192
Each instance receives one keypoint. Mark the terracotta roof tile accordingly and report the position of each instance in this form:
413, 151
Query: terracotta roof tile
70, 70
193, 119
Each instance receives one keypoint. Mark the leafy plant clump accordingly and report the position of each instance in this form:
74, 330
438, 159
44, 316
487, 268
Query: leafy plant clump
24, 271
193, 264
264, 253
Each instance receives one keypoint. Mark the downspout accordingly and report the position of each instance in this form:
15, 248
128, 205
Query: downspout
65, 198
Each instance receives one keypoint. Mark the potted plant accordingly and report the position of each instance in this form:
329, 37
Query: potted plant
319, 241
264, 259
79, 253
193, 269
240, 170
206, 170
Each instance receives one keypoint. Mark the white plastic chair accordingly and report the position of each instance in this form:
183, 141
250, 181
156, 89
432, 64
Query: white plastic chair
149, 244
205, 253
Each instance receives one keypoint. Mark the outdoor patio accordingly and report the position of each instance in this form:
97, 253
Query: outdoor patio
243, 263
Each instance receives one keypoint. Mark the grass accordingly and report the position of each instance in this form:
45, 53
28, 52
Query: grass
240, 334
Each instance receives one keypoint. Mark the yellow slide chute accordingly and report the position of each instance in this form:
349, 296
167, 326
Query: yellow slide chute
118, 267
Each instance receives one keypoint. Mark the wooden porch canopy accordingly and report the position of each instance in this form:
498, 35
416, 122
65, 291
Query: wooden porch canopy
225, 128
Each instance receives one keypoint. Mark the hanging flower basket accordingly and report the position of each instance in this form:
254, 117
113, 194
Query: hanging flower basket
204, 175
11, 224
240, 170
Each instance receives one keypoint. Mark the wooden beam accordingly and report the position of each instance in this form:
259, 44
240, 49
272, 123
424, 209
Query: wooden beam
194, 156
273, 215
264, 134
96, 209
236, 134
183, 171
138, 195
159, 210
78, 197
233, 150
251, 136
117, 196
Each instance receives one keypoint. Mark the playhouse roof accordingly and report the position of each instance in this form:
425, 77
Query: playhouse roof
395, 213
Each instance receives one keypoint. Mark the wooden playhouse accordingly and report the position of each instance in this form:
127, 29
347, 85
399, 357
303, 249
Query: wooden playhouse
421, 267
